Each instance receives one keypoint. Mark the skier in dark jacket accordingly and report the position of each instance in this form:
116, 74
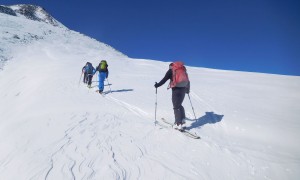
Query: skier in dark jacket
102, 68
178, 94
84, 74
89, 69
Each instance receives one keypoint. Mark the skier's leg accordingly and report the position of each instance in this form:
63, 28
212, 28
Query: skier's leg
99, 83
84, 77
90, 79
182, 111
177, 99
102, 76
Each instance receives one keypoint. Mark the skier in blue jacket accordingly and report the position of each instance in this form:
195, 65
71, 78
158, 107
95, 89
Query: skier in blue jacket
103, 74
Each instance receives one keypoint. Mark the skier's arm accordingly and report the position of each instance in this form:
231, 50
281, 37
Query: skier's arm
164, 80
95, 70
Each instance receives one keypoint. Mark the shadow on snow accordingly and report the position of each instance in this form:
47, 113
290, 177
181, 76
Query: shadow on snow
121, 90
98, 85
208, 118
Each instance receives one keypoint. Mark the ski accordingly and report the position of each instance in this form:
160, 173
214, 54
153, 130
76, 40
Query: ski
103, 94
162, 124
183, 131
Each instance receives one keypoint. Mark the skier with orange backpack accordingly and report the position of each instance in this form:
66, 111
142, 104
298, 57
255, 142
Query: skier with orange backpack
180, 84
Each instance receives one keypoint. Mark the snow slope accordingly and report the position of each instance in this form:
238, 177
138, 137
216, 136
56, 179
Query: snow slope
53, 127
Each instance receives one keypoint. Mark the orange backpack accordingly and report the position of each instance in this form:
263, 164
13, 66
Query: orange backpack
180, 77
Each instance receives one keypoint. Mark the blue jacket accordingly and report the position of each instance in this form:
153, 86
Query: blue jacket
89, 69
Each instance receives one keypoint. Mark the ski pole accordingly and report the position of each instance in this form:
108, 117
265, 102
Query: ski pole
192, 107
108, 85
96, 76
155, 105
80, 79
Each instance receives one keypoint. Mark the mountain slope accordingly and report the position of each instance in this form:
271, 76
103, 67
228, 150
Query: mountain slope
31, 12
19, 31
54, 127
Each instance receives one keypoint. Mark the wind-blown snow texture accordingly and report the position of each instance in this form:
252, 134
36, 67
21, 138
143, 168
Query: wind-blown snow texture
53, 127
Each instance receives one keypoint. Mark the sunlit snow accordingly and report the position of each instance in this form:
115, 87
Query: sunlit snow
53, 127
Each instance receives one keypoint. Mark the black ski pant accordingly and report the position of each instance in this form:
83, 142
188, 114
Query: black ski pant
178, 95
84, 77
89, 79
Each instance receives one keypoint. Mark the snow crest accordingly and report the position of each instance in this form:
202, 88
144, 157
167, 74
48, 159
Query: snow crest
31, 12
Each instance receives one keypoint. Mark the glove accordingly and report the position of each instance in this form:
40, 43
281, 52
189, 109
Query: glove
156, 85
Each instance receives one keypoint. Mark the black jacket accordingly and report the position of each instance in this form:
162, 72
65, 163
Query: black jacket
98, 68
168, 76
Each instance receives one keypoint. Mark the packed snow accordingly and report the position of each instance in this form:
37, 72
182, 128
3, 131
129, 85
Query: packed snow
53, 127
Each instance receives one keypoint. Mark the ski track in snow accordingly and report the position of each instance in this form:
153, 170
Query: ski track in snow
130, 107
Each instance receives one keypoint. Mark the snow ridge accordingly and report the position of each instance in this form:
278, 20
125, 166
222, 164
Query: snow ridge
17, 32
31, 12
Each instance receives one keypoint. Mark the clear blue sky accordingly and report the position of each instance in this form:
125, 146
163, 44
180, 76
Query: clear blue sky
243, 35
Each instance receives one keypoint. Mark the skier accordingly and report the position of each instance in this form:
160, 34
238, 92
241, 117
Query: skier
180, 85
84, 74
103, 74
89, 69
